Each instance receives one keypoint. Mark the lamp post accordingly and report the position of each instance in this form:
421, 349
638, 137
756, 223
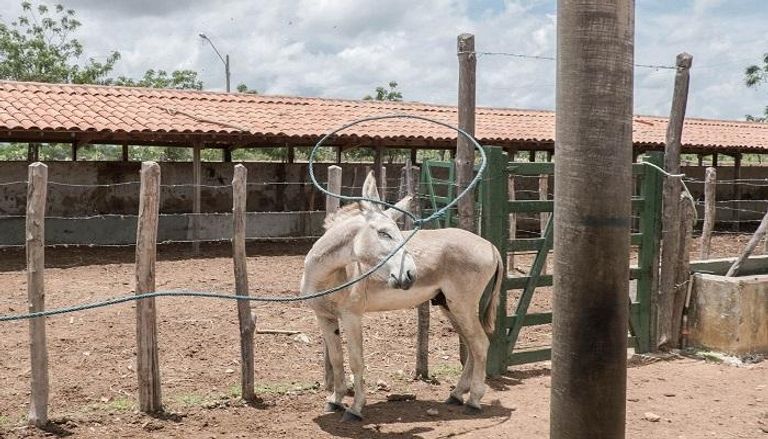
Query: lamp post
224, 59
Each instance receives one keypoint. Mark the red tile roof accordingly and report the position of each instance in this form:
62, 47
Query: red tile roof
57, 108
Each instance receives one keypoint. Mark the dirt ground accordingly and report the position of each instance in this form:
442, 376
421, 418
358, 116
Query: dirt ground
93, 383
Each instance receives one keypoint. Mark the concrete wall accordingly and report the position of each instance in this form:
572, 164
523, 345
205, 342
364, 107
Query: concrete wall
121, 229
729, 314
281, 199
270, 193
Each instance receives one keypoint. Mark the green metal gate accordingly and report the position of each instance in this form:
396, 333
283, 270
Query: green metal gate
495, 209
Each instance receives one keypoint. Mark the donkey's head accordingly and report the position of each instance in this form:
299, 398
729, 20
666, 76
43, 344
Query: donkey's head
379, 236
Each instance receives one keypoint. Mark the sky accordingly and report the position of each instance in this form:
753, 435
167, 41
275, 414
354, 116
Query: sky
346, 48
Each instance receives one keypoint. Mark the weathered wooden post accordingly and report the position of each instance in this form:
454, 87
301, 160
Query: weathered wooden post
512, 223
543, 216
196, 176
37, 189
331, 206
465, 153
682, 272
710, 211
422, 331
670, 216
383, 186
147, 362
756, 238
247, 326
592, 218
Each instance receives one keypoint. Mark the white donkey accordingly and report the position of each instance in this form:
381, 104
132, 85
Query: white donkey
452, 268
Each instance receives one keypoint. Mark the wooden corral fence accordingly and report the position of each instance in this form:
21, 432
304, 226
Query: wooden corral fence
148, 365
498, 209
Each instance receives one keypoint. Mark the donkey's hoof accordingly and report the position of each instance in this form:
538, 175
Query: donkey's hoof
351, 417
452, 400
332, 407
471, 410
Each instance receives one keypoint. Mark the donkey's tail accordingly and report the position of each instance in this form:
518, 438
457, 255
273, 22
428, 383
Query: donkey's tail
488, 316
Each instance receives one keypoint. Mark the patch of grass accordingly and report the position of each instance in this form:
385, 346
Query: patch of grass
190, 399
120, 405
234, 391
281, 388
4, 421
115, 405
447, 371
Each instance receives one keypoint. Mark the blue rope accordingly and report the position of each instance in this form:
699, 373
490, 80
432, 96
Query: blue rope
418, 223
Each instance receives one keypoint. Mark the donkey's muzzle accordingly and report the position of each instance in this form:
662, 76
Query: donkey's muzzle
402, 283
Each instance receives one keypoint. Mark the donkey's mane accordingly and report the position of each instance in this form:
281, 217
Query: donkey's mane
341, 215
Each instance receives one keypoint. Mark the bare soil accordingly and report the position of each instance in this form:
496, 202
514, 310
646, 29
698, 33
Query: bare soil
93, 383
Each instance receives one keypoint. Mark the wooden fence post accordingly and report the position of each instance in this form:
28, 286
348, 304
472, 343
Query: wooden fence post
422, 331
383, 185
682, 272
239, 197
331, 206
512, 223
710, 211
543, 216
756, 238
196, 197
35, 230
148, 365
671, 206
465, 153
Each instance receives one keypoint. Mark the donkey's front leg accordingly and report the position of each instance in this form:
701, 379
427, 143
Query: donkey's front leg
353, 329
332, 338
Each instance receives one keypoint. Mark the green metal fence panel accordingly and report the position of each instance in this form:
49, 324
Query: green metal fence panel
494, 210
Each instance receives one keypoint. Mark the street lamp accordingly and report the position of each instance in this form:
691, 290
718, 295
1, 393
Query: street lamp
224, 59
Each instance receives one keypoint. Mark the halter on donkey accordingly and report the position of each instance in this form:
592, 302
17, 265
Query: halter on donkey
450, 265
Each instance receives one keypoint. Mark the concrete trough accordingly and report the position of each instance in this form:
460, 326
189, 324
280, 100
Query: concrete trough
729, 314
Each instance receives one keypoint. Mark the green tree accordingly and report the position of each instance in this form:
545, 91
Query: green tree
178, 79
243, 88
755, 75
38, 46
386, 94
389, 93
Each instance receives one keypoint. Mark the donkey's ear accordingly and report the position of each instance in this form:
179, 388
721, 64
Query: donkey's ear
370, 191
404, 204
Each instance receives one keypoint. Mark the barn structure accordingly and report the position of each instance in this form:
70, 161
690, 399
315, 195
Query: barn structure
82, 115
91, 114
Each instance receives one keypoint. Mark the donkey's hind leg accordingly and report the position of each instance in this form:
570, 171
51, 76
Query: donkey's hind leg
477, 343
332, 339
462, 386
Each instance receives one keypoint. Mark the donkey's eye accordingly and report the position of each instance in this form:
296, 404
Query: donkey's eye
385, 235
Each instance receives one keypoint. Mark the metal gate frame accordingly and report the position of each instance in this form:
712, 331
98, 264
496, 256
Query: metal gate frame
495, 209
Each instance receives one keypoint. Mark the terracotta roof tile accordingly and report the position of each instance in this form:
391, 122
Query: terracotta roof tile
33, 106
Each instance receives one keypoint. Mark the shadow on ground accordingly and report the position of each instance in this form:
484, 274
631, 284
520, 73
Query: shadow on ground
381, 414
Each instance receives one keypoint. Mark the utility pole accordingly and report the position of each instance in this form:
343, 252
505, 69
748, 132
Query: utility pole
593, 175
226, 70
224, 59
